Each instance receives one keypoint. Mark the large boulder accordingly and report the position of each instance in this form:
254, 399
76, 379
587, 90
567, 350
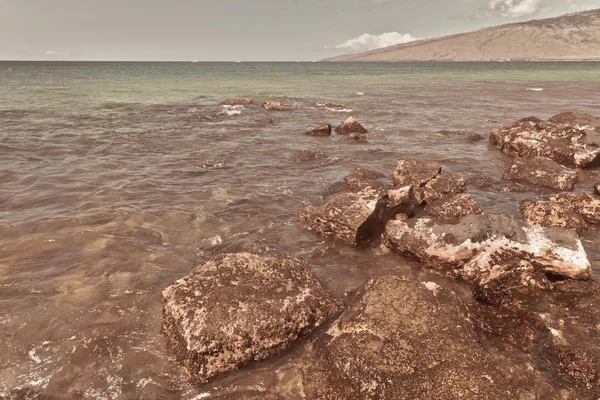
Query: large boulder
402, 339
435, 184
579, 120
584, 204
323, 130
239, 308
569, 145
478, 243
362, 178
350, 126
550, 214
541, 171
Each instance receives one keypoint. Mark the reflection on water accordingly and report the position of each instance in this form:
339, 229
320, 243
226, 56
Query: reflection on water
118, 179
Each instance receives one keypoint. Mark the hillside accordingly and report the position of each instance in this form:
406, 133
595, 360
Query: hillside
568, 37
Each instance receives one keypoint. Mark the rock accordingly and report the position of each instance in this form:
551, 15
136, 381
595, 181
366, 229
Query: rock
340, 217
333, 107
239, 308
516, 188
579, 120
363, 178
350, 126
357, 136
237, 102
417, 173
584, 204
476, 244
481, 181
541, 171
402, 339
309, 155
273, 105
597, 188
449, 209
566, 144
550, 214
471, 136
443, 185
265, 121
323, 130
474, 137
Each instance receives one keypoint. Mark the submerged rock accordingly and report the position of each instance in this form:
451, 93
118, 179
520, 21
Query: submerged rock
541, 171
471, 136
333, 106
273, 105
550, 214
323, 130
566, 144
309, 155
239, 308
403, 339
579, 120
351, 126
450, 209
584, 204
478, 243
237, 102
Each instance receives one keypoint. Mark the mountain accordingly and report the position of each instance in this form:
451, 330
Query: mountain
568, 37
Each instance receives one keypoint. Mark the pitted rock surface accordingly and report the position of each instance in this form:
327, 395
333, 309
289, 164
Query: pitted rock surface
541, 171
362, 178
417, 173
239, 308
323, 130
569, 145
550, 214
450, 209
350, 126
584, 204
478, 243
404, 339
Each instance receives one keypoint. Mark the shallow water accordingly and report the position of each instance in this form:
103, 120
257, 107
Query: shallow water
117, 179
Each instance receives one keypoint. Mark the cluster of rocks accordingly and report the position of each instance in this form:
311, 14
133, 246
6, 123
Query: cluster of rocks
267, 104
397, 338
350, 128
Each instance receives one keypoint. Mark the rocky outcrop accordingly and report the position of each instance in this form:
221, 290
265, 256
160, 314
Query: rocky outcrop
237, 102
584, 204
451, 209
541, 171
478, 243
579, 120
435, 184
550, 214
566, 144
239, 308
273, 105
363, 178
402, 339
323, 130
597, 189
351, 126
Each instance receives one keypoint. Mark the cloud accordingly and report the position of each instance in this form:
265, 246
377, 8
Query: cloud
515, 8
577, 6
366, 41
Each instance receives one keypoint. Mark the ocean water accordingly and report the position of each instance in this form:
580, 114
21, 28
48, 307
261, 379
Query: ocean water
118, 178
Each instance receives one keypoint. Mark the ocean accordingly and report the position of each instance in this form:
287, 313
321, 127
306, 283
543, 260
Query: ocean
118, 178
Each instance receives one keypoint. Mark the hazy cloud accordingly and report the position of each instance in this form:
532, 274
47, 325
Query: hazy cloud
580, 6
515, 8
53, 53
366, 41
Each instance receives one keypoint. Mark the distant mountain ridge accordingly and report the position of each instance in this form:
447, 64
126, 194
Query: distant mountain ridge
570, 37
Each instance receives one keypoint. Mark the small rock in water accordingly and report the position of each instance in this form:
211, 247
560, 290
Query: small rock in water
350, 126
309, 155
237, 102
333, 106
273, 105
323, 130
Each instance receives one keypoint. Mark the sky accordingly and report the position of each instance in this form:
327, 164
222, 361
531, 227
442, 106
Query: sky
244, 30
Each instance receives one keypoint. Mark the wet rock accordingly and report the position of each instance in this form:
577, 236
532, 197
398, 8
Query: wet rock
476, 244
474, 137
417, 173
265, 121
363, 178
514, 188
248, 395
340, 217
541, 171
333, 106
471, 136
357, 136
584, 204
579, 120
449, 209
309, 155
550, 214
350, 126
323, 130
566, 144
273, 105
481, 181
597, 188
403, 339
577, 363
443, 185
237, 102
239, 308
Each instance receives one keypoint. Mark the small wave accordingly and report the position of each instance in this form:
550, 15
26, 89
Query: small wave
360, 94
535, 89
